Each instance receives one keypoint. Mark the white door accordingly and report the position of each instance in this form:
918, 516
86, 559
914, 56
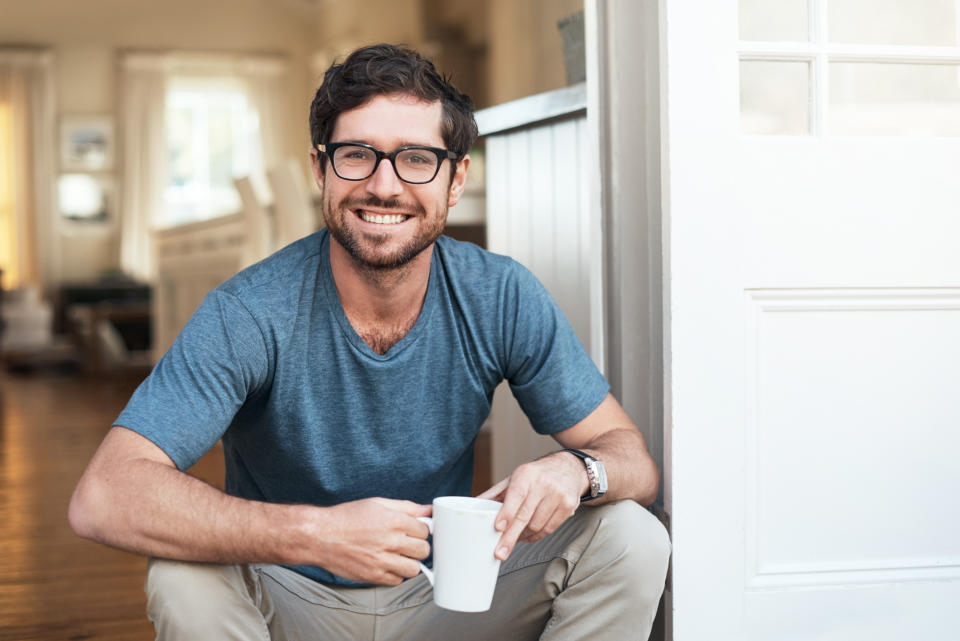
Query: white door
811, 184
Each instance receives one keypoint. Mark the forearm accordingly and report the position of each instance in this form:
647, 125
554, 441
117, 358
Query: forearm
631, 471
131, 496
154, 509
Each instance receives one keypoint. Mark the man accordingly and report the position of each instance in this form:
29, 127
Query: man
348, 375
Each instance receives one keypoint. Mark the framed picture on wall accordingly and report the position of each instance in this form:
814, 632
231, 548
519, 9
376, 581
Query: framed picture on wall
86, 143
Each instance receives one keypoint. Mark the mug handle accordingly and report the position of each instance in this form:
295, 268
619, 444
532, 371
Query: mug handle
427, 571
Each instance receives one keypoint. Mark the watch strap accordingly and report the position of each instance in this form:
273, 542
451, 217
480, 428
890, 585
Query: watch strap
591, 464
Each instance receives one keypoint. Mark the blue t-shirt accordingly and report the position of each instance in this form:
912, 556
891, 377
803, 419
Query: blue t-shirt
308, 413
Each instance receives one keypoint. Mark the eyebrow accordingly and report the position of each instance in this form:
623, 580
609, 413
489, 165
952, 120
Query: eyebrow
402, 143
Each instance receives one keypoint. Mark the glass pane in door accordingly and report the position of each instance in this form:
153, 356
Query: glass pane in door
774, 97
767, 20
894, 99
894, 22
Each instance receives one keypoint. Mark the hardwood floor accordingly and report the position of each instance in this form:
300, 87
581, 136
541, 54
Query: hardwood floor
54, 585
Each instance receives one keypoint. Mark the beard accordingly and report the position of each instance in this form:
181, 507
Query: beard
369, 250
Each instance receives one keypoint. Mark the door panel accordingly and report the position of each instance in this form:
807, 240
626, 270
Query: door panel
813, 353
847, 391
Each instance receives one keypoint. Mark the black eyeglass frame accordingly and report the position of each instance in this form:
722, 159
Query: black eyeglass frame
442, 154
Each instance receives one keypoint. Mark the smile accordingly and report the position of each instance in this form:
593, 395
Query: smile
390, 219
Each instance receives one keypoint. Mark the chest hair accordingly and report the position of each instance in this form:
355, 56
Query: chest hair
382, 336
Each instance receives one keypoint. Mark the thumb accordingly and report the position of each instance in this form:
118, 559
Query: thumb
496, 491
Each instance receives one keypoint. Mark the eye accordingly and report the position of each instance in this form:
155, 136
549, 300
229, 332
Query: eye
418, 158
354, 153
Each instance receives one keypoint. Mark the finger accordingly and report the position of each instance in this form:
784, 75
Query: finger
518, 524
544, 513
407, 507
414, 527
411, 547
496, 491
556, 520
509, 539
407, 568
513, 498
416, 549
390, 579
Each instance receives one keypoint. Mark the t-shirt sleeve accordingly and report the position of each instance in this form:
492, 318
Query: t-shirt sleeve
191, 397
549, 371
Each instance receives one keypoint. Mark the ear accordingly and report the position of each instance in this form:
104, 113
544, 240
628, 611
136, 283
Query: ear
459, 181
315, 166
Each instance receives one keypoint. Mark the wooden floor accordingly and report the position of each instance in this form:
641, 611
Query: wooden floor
54, 585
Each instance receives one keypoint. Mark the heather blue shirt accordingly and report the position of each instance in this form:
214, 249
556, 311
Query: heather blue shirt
308, 413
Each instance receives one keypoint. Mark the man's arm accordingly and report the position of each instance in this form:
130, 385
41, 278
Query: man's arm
540, 495
133, 497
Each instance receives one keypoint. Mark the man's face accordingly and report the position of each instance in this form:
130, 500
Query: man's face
381, 221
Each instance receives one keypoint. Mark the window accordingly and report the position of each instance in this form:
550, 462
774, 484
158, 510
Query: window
850, 67
212, 136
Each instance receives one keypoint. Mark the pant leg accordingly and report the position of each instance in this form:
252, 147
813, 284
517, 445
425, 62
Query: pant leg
200, 602
614, 588
207, 602
599, 576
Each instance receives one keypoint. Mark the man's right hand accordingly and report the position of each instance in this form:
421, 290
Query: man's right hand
373, 540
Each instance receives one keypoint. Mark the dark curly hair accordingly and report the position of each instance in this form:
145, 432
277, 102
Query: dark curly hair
389, 69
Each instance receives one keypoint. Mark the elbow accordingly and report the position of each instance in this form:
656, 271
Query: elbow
651, 493
82, 513
651, 488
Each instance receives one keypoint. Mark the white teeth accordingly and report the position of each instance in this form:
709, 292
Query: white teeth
391, 219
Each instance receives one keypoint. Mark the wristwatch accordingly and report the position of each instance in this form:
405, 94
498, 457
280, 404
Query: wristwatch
595, 472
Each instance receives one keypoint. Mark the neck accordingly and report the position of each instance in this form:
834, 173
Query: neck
387, 297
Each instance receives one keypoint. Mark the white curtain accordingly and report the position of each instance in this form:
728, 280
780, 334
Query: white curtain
143, 109
267, 92
27, 226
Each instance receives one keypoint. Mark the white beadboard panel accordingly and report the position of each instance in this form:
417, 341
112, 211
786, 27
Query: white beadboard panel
536, 214
535, 210
192, 260
845, 481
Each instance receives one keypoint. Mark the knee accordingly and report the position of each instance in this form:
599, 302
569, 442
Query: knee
637, 543
191, 600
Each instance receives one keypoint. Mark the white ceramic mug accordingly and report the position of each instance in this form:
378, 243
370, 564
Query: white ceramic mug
464, 569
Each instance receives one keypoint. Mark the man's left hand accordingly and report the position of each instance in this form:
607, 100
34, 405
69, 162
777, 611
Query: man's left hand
537, 498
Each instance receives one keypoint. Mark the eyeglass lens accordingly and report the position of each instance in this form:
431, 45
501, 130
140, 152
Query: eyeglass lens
412, 165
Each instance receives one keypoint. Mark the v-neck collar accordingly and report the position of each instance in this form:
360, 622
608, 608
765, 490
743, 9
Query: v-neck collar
336, 308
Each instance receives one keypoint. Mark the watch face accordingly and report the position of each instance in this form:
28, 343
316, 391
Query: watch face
602, 477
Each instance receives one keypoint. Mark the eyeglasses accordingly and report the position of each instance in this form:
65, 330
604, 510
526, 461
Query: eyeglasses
413, 164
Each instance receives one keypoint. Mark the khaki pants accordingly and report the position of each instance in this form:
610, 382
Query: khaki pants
599, 576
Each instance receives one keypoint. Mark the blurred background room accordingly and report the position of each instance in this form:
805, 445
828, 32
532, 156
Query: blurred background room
148, 151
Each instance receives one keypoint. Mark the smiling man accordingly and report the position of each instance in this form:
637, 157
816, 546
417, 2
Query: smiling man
348, 376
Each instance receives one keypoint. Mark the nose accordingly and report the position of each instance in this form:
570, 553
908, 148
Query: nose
384, 182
